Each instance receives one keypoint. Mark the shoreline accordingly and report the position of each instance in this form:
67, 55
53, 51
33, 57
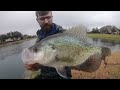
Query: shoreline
6, 44
115, 38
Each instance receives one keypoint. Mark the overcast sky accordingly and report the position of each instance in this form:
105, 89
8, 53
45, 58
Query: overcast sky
25, 21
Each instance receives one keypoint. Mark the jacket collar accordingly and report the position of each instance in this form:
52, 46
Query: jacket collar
53, 30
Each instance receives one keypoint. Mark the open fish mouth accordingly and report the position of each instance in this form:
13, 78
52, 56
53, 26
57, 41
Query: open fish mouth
31, 57
27, 56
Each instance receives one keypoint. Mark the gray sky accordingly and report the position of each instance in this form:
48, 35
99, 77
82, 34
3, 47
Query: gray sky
25, 21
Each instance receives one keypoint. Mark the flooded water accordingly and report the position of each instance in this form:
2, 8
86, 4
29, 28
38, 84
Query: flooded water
12, 67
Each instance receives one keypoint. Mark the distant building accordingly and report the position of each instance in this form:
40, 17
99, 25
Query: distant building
19, 38
109, 29
8, 40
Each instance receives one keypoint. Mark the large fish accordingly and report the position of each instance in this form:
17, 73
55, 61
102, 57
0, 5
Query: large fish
69, 49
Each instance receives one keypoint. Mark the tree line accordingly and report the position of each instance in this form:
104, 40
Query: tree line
13, 36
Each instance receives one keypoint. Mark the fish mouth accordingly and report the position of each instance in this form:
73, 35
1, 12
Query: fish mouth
29, 57
41, 57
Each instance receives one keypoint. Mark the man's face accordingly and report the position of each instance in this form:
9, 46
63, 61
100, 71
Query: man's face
45, 21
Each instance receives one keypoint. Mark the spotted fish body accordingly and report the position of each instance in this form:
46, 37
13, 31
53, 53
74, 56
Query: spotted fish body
68, 50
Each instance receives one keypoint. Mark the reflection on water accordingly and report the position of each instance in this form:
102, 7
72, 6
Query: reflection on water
11, 65
114, 46
14, 49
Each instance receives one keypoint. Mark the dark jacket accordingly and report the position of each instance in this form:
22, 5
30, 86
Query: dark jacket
55, 29
49, 72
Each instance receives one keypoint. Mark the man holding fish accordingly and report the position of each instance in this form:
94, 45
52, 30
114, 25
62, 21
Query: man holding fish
57, 51
45, 20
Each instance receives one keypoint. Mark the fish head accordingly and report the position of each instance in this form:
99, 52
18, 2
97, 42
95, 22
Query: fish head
39, 53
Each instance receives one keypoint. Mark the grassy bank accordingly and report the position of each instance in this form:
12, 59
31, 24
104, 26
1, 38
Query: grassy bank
6, 44
112, 37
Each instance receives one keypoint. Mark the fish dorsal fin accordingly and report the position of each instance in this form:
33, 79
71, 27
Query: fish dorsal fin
62, 72
78, 31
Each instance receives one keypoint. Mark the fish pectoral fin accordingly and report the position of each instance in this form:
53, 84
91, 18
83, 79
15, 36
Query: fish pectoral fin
62, 72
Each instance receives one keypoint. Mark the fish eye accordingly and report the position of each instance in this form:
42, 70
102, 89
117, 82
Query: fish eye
35, 50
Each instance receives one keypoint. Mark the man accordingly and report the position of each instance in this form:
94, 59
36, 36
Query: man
45, 20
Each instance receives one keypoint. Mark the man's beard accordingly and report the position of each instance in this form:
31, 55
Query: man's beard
46, 28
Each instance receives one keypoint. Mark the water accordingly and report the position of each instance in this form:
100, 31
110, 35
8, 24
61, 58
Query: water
12, 67
114, 46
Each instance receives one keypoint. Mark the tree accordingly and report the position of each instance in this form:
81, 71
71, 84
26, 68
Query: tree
3, 37
17, 34
95, 30
14, 35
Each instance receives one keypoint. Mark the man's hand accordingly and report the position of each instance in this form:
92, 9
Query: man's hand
33, 67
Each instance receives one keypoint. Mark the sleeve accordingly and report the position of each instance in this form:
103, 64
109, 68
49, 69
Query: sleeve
60, 29
38, 38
